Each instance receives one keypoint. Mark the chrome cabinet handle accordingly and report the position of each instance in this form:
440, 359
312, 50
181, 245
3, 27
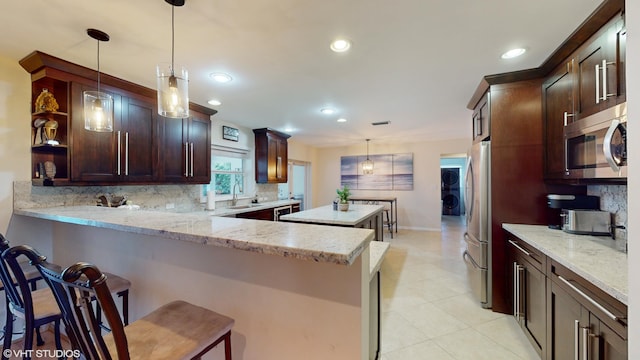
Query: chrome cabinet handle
191, 151
597, 84
604, 80
519, 248
119, 150
566, 117
126, 153
589, 299
186, 159
515, 282
576, 341
585, 343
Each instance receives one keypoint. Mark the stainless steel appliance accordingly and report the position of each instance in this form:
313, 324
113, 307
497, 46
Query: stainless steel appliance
596, 146
477, 255
279, 211
556, 203
586, 222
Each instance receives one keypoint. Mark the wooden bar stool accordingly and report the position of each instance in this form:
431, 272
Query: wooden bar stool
35, 307
178, 330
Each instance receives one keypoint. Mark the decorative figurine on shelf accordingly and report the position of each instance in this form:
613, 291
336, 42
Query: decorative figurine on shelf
38, 124
343, 195
50, 130
49, 170
46, 102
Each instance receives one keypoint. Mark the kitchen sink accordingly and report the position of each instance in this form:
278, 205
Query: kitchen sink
247, 206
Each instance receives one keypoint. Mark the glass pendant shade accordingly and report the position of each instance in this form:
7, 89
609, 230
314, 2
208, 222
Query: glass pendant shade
367, 165
173, 91
98, 111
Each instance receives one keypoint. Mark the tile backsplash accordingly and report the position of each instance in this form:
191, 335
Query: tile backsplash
613, 198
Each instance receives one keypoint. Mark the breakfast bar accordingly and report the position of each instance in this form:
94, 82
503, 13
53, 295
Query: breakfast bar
295, 290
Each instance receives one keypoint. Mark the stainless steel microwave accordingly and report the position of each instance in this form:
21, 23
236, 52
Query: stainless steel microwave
596, 146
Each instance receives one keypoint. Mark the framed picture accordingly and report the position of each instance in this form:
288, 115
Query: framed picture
229, 133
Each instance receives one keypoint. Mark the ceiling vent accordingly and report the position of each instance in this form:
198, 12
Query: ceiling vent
381, 123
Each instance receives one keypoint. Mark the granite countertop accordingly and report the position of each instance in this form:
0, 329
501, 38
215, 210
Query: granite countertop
301, 241
326, 215
377, 251
228, 211
592, 257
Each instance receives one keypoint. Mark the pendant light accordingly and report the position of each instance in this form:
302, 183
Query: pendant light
98, 106
173, 82
367, 165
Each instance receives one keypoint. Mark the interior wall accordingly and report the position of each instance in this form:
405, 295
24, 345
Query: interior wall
418, 208
15, 105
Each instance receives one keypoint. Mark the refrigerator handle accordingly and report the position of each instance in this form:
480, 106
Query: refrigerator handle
469, 187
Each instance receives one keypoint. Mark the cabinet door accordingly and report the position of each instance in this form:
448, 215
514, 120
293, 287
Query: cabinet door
138, 149
481, 120
601, 69
282, 161
533, 318
558, 102
607, 344
200, 149
94, 155
173, 155
565, 326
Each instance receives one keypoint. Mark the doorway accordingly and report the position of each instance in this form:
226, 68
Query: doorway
298, 185
452, 175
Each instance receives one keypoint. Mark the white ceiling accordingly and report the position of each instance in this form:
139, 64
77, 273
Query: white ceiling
415, 63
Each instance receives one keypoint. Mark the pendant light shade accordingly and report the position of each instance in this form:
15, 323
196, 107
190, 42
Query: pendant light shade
367, 165
98, 106
173, 81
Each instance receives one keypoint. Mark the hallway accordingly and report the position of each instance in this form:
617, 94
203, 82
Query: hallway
428, 310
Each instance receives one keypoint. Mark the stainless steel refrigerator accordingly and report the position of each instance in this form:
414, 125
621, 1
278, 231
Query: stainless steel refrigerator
477, 255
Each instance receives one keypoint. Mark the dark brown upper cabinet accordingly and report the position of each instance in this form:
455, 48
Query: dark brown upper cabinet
481, 119
559, 93
144, 148
186, 149
600, 69
271, 156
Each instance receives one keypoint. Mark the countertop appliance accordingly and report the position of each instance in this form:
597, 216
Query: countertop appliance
586, 222
477, 255
596, 146
557, 202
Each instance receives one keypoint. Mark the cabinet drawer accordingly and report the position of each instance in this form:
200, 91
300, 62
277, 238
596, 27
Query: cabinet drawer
609, 310
528, 252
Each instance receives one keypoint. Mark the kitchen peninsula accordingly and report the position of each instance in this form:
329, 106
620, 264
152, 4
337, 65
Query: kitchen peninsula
295, 290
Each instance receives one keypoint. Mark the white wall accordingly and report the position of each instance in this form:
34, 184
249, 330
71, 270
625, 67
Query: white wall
633, 136
417, 209
15, 157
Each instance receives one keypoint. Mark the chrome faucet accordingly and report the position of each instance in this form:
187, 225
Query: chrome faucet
234, 200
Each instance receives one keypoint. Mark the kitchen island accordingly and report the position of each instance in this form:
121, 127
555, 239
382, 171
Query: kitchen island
296, 291
358, 216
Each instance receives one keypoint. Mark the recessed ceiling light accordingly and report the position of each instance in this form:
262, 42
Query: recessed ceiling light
342, 120
214, 102
288, 129
221, 77
513, 53
340, 45
328, 111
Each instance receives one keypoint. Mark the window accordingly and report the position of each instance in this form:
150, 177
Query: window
225, 173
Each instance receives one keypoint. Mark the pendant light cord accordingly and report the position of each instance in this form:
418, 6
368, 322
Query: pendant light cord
173, 39
98, 65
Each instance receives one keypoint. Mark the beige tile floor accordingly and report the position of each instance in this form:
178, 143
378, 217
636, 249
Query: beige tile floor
428, 311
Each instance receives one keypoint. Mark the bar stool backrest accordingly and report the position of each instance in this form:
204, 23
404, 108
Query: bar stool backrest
74, 288
15, 283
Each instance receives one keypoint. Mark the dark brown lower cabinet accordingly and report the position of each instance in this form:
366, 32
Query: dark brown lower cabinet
583, 323
264, 214
529, 292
